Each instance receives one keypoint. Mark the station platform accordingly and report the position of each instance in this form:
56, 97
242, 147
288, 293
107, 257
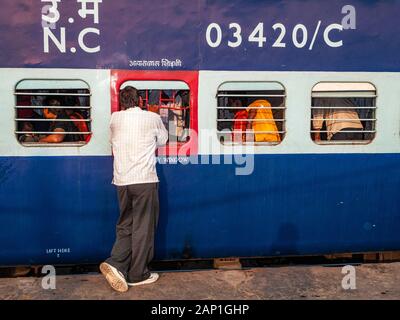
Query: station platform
373, 281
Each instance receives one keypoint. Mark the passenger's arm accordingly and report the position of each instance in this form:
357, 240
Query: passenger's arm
161, 133
54, 138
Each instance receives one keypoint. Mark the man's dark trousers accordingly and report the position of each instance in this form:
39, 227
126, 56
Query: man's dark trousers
137, 224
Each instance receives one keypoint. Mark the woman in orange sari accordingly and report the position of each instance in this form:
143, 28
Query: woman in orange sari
263, 124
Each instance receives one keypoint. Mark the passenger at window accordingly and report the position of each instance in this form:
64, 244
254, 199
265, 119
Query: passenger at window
240, 122
155, 108
28, 137
76, 116
342, 124
38, 101
154, 97
263, 123
177, 111
59, 127
71, 101
79, 123
226, 114
164, 107
184, 96
22, 102
83, 100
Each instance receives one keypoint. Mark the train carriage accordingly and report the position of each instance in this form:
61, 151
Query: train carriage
292, 188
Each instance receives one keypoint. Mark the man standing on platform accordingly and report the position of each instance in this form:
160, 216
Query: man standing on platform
135, 136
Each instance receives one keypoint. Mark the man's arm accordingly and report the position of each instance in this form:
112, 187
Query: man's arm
110, 129
161, 133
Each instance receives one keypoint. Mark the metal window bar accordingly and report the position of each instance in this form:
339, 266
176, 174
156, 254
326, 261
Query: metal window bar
250, 143
252, 132
251, 120
61, 144
222, 95
52, 132
52, 120
349, 108
342, 142
54, 107
345, 131
174, 108
241, 108
52, 94
345, 120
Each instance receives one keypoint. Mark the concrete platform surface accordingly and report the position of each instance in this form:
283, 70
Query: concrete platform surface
374, 281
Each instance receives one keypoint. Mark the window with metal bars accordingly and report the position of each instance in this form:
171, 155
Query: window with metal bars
251, 113
171, 100
52, 113
343, 113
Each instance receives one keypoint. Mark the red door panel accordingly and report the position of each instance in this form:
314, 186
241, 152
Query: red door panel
191, 78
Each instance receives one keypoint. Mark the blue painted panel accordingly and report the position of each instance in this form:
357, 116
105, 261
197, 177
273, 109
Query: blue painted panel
176, 29
291, 205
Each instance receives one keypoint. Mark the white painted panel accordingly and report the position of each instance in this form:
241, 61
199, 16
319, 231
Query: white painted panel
344, 90
251, 86
344, 86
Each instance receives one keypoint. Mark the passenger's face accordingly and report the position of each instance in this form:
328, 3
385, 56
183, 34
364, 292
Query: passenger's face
50, 113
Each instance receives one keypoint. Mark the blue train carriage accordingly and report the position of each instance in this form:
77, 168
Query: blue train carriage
284, 126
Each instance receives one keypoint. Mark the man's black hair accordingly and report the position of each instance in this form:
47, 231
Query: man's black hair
128, 98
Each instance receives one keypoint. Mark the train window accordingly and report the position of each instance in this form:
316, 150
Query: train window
169, 99
343, 113
53, 113
251, 113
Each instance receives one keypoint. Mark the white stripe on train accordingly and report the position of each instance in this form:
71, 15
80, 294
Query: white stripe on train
298, 87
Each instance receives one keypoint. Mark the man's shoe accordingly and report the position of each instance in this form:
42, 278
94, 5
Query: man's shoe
114, 278
153, 278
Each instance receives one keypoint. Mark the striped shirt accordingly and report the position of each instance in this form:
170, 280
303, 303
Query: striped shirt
135, 136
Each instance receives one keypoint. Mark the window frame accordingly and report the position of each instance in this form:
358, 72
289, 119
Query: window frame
18, 120
191, 78
374, 119
283, 133
154, 85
